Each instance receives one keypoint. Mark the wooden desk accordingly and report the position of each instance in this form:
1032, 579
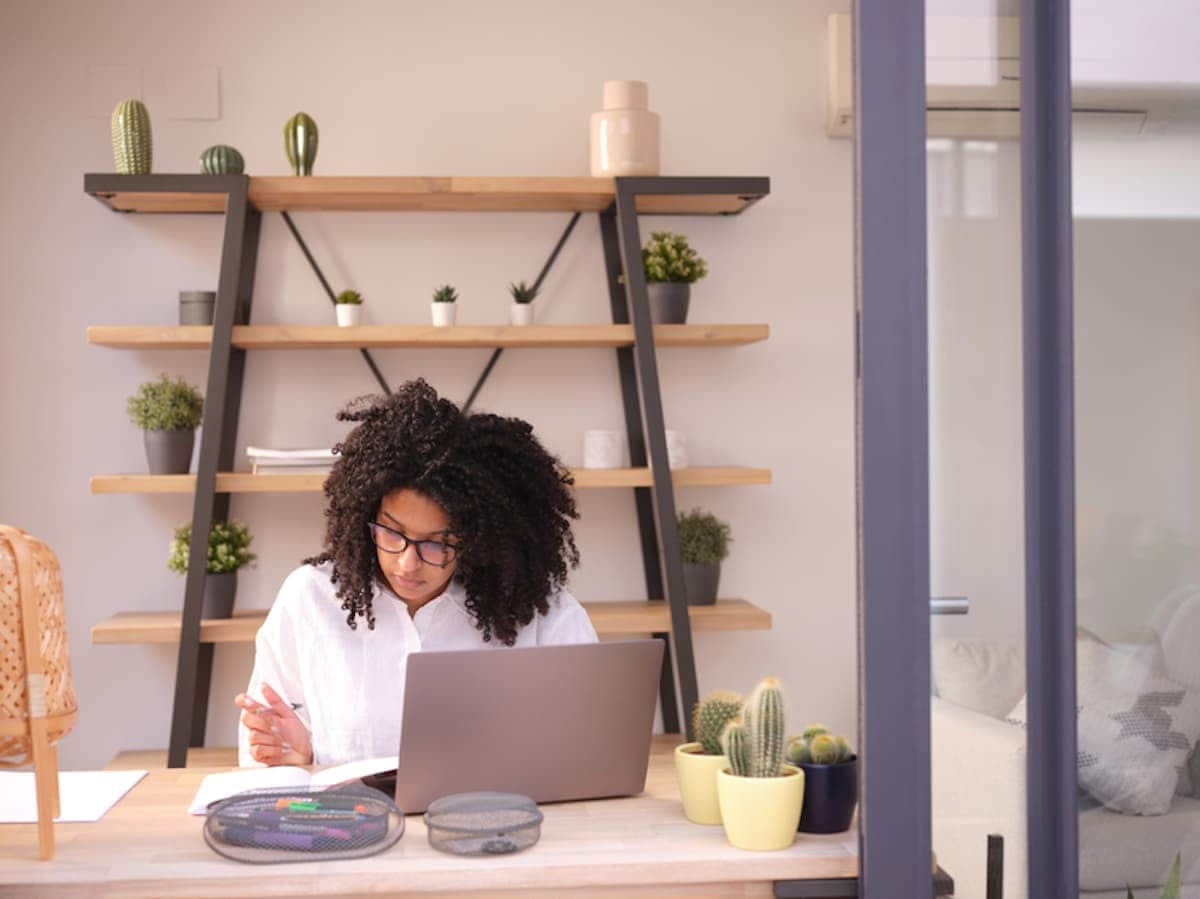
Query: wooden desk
148, 845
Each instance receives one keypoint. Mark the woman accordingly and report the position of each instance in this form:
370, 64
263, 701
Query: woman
443, 531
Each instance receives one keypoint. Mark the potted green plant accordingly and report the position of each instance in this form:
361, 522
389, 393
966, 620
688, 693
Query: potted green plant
697, 764
521, 310
704, 540
443, 305
671, 267
760, 796
349, 308
169, 413
228, 550
830, 779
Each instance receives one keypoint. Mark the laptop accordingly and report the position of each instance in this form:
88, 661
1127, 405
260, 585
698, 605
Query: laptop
549, 722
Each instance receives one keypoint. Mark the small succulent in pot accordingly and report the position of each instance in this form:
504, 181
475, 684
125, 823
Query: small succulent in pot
671, 267
521, 311
169, 413
704, 543
668, 257
228, 550
348, 306
443, 306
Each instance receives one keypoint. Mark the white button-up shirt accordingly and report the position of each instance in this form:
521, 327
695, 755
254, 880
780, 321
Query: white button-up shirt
350, 683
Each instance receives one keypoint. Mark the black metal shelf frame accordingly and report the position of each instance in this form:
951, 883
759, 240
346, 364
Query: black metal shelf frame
640, 392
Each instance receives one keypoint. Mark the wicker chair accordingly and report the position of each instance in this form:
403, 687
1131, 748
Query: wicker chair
37, 700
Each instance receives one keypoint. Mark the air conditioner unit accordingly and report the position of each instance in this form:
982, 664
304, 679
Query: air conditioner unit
973, 83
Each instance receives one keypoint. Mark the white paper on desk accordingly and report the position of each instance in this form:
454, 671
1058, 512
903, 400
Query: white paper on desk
83, 795
227, 783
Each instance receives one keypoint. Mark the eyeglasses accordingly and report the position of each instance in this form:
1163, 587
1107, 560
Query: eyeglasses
431, 552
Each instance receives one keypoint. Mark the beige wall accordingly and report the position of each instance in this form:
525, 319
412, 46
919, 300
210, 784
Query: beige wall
424, 88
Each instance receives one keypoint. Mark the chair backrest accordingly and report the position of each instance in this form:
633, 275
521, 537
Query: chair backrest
35, 668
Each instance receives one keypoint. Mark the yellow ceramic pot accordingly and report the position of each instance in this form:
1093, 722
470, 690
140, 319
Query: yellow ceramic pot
697, 776
761, 813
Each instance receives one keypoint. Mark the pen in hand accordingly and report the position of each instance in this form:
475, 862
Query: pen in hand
277, 734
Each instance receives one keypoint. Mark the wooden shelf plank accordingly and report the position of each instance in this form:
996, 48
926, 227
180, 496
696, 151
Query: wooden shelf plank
585, 478
609, 618
297, 337
340, 193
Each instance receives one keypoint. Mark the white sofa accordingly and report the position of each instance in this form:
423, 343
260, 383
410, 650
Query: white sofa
978, 780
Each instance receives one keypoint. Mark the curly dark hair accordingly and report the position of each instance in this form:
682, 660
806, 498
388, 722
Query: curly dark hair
508, 501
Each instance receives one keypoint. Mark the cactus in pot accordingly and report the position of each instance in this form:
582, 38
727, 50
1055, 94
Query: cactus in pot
831, 779
697, 764
711, 715
760, 797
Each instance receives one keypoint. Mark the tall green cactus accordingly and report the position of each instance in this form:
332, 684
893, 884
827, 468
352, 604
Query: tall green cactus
733, 741
300, 143
711, 715
764, 720
132, 146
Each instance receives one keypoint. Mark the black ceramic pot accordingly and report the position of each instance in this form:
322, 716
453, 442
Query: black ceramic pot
830, 795
219, 593
169, 452
668, 302
700, 583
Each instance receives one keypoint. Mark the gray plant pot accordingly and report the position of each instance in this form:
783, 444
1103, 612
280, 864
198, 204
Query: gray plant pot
196, 307
169, 452
219, 593
700, 583
669, 302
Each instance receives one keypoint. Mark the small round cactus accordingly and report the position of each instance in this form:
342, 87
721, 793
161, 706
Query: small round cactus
817, 746
222, 160
711, 715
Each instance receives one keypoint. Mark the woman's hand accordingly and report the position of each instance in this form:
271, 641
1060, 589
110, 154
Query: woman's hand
277, 735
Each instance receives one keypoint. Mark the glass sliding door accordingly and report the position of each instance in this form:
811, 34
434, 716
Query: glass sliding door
1136, 186
976, 449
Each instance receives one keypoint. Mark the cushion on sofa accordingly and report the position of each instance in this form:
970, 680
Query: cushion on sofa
1136, 729
984, 675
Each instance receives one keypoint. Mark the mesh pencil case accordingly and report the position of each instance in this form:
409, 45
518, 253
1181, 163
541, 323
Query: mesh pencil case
305, 825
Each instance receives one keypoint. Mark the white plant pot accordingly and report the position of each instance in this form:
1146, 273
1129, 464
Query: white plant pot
521, 313
348, 314
443, 314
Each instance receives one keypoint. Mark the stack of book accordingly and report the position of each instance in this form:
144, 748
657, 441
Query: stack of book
300, 461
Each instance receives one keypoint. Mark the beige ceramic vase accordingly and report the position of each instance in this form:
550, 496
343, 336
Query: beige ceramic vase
625, 134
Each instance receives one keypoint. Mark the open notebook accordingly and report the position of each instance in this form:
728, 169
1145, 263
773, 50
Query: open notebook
228, 783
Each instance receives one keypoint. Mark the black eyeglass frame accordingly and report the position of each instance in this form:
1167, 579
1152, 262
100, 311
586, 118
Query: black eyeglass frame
451, 548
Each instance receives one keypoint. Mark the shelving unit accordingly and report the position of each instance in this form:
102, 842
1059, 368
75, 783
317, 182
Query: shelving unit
315, 337
618, 202
585, 478
618, 618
